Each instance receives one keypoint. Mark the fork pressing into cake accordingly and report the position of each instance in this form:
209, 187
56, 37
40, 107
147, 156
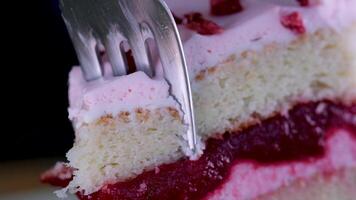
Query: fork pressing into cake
113, 23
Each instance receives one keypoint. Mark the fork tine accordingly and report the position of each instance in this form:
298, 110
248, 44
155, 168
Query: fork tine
134, 36
173, 62
115, 54
84, 43
87, 56
175, 67
140, 54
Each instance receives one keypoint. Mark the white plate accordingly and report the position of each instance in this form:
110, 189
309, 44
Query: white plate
42, 194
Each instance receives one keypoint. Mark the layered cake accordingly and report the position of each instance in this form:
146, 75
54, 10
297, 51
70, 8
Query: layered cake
274, 91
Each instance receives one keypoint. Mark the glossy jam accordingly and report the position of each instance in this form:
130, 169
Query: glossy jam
296, 136
299, 135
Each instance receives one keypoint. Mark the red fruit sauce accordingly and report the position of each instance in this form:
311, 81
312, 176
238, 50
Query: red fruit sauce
299, 135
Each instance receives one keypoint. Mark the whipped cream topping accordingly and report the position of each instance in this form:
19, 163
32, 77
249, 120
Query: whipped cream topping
253, 28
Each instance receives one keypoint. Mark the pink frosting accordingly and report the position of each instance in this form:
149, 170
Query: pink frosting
112, 95
249, 180
257, 25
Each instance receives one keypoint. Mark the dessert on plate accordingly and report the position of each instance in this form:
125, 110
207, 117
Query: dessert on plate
274, 91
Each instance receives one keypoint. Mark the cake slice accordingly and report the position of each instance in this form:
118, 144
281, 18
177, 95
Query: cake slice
274, 90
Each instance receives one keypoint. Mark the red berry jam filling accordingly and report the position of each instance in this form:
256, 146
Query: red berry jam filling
298, 136
225, 7
294, 22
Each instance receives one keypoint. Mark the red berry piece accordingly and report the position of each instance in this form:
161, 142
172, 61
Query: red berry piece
303, 2
225, 7
294, 22
196, 22
60, 175
177, 19
130, 62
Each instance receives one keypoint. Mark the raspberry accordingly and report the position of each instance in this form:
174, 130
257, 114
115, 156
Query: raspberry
303, 2
177, 19
196, 22
225, 7
60, 175
294, 22
130, 62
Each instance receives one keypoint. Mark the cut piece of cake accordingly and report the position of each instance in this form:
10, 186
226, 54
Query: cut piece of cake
274, 90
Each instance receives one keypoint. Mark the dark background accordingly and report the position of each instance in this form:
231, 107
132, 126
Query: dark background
38, 57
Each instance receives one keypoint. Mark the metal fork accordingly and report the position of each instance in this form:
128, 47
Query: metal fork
111, 23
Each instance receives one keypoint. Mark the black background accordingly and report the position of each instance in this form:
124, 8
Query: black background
37, 59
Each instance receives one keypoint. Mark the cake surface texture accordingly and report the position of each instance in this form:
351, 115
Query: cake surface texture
274, 91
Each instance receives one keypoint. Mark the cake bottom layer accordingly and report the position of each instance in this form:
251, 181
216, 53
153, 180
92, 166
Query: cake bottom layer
250, 180
339, 185
312, 138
